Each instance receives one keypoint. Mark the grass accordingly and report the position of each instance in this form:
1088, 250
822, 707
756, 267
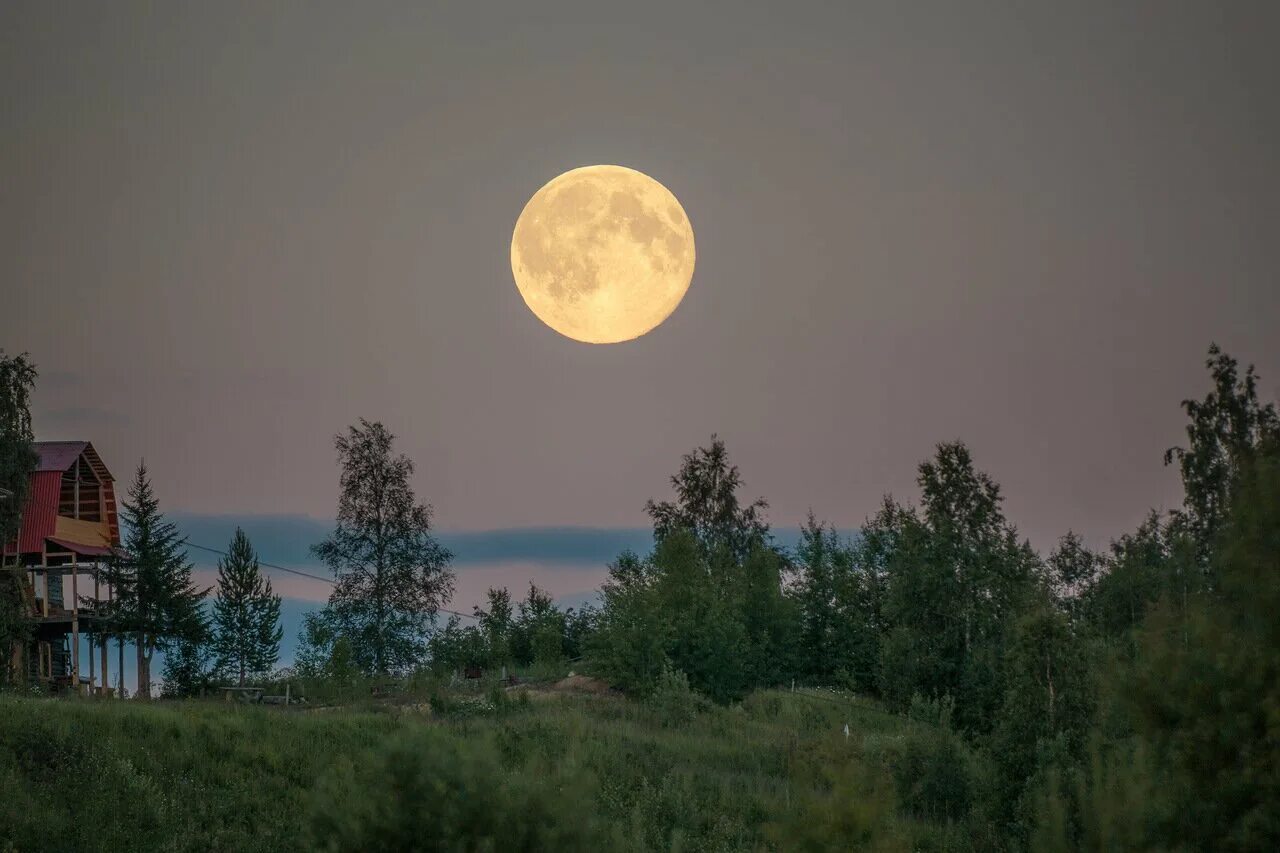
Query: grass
494, 772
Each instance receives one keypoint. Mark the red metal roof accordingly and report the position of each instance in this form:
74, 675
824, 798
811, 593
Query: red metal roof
58, 455
40, 515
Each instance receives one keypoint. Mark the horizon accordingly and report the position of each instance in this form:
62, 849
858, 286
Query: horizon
937, 239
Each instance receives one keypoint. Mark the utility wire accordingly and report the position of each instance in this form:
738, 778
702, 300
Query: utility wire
300, 573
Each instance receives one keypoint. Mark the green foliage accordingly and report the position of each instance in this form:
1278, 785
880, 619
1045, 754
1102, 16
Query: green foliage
17, 459
15, 627
673, 700
1227, 429
496, 625
1048, 706
454, 648
851, 808
534, 634
156, 603
630, 643
315, 645
707, 506
427, 791
188, 668
392, 574
708, 601
558, 772
1205, 696
246, 614
956, 577
935, 774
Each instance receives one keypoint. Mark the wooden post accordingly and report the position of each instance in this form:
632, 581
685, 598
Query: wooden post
75, 626
106, 682
45, 603
92, 634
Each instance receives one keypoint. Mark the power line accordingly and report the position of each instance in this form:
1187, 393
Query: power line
301, 573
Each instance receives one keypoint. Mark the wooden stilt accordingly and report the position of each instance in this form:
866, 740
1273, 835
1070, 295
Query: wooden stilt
106, 682
93, 634
75, 626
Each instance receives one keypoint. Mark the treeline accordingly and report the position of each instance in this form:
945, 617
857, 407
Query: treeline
1124, 698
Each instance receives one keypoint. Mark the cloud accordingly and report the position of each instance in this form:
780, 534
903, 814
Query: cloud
287, 540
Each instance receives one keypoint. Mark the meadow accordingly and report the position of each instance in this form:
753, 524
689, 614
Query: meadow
480, 769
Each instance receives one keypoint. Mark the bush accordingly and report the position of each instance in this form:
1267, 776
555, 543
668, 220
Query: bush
426, 791
934, 773
673, 699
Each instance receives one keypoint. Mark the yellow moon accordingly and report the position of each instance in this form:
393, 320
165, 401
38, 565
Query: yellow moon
602, 254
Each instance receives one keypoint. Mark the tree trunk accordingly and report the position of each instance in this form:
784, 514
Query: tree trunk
1048, 674
242, 672
144, 669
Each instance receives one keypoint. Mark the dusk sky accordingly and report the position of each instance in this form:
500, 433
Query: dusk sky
227, 233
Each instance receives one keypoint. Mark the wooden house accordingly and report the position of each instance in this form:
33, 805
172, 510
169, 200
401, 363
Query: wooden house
69, 529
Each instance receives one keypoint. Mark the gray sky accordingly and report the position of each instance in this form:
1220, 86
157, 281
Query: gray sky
227, 233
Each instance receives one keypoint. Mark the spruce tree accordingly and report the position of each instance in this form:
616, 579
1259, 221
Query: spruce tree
246, 614
155, 600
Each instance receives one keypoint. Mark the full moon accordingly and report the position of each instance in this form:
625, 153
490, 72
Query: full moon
602, 254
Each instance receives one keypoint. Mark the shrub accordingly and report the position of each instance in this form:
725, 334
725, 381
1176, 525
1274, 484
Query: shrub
673, 699
426, 791
934, 773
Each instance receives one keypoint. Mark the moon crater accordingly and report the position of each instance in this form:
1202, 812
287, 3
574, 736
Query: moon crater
602, 254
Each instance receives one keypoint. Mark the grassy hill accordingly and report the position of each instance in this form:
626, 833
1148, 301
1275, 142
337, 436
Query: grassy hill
484, 770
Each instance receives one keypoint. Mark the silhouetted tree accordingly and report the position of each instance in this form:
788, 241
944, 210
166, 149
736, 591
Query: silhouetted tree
1226, 429
155, 601
496, 623
392, 574
246, 613
17, 459
707, 506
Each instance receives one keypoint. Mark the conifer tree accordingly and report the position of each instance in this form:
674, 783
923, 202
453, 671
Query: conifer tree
246, 613
155, 600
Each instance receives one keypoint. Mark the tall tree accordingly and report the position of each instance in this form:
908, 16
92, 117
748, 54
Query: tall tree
957, 580
1070, 573
820, 564
497, 625
17, 459
392, 574
631, 637
155, 600
246, 613
17, 378
1226, 429
707, 506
